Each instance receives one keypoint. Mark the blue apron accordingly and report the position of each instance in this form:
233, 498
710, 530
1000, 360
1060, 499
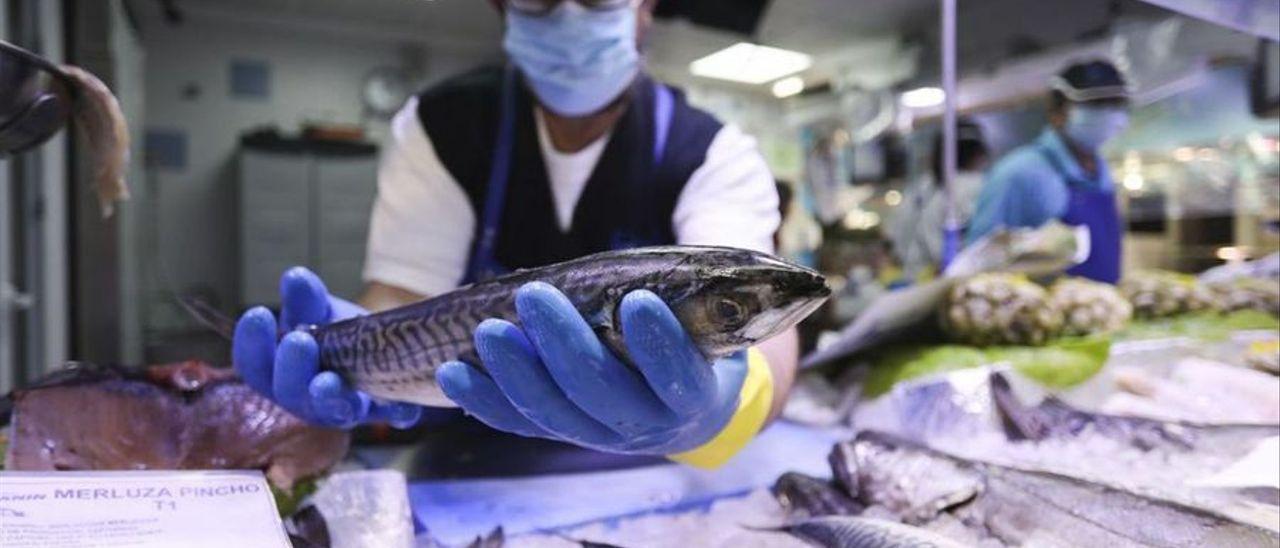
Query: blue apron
456, 447
1096, 210
482, 263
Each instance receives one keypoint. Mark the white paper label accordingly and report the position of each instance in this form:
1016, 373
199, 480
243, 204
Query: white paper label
138, 509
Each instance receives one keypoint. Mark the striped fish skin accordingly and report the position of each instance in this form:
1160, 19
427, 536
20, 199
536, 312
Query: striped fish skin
856, 532
727, 299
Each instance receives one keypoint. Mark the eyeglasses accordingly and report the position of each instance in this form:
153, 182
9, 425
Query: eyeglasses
543, 7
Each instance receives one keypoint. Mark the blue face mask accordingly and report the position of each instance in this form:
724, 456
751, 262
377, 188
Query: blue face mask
1091, 127
576, 60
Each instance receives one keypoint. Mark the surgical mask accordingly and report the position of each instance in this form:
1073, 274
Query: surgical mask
576, 60
969, 178
1091, 127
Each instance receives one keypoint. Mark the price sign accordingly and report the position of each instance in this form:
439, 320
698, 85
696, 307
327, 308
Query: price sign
138, 509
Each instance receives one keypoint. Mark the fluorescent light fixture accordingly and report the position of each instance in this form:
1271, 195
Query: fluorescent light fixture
787, 87
750, 63
923, 97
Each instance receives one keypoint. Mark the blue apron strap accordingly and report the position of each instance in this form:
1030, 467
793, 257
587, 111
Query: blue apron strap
663, 105
482, 264
1057, 164
1052, 159
637, 234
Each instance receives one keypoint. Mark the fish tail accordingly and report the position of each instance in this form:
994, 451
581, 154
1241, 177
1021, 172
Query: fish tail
207, 315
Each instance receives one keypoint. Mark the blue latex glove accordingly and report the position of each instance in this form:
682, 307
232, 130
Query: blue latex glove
288, 372
555, 379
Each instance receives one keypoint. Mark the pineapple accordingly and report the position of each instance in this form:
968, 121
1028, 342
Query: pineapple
1158, 293
999, 308
1089, 307
1247, 293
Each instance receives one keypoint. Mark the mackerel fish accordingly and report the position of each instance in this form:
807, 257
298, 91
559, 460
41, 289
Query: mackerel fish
727, 299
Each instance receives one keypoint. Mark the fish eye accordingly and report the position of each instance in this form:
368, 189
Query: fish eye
731, 312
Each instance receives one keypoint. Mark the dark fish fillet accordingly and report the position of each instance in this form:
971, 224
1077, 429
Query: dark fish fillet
186, 416
855, 532
807, 496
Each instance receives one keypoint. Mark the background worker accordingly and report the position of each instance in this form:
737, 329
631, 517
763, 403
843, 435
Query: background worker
917, 228
1061, 175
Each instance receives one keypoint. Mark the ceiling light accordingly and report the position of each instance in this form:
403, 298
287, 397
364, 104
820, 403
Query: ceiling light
892, 198
787, 87
923, 97
1134, 181
750, 63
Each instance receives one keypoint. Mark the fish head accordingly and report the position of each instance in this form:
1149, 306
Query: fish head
736, 298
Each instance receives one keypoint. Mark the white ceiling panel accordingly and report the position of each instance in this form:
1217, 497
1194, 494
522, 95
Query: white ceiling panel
837, 33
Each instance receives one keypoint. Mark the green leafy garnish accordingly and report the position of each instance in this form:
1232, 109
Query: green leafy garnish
1063, 363
287, 501
1204, 326
900, 363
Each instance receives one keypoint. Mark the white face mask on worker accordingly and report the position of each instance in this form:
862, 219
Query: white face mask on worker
1091, 127
969, 178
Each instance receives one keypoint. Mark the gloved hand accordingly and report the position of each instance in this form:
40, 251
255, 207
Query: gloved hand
555, 379
288, 372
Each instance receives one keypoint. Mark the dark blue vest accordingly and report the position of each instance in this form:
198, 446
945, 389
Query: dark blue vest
628, 200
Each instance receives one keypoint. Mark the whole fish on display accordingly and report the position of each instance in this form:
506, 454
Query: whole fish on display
727, 299
808, 496
918, 486
858, 532
994, 416
1053, 418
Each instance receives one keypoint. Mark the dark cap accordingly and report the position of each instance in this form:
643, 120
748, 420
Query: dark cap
1091, 81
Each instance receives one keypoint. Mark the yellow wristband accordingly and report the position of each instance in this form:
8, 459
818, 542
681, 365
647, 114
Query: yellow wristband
754, 402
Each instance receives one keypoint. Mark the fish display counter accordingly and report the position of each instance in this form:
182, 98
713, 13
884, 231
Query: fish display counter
1044, 411
193, 416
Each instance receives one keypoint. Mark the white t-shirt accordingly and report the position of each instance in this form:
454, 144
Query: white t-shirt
567, 172
423, 224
